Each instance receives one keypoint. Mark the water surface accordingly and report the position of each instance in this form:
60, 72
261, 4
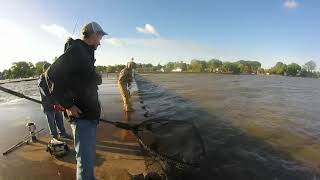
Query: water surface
255, 127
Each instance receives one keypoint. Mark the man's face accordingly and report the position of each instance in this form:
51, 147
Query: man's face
95, 40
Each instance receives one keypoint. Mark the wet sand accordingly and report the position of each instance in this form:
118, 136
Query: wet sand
118, 153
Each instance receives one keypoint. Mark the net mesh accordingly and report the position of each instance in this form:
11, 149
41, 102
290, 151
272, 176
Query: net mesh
177, 143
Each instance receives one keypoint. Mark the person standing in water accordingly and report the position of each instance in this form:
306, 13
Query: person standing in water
124, 82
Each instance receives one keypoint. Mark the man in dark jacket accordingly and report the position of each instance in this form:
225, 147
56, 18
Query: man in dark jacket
54, 117
73, 81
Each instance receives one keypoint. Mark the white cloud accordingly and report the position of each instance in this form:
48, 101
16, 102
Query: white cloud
25, 45
290, 4
57, 31
115, 42
148, 29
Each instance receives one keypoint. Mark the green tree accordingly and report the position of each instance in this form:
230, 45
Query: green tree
244, 66
6, 74
111, 69
145, 67
229, 67
159, 67
184, 67
169, 67
198, 66
101, 69
39, 67
213, 64
22, 69
255, 65
280, 69
148, 65
248, 66
260, 71
293, 69
310, 66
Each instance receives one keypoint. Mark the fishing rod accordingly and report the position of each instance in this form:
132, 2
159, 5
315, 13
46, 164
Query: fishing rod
15, 93
19, 144
121, 125
117, 124
21, 80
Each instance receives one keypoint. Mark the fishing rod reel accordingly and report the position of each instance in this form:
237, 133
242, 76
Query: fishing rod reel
32, 130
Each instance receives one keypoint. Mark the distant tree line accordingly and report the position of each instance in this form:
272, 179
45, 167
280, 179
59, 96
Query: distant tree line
293, 69
110, 69
239, 67
23, 69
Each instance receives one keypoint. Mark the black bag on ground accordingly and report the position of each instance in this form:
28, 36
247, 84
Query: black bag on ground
57, 148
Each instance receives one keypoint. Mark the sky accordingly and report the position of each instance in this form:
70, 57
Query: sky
161, 31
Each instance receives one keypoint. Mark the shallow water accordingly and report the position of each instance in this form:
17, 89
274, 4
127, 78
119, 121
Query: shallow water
254, 127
